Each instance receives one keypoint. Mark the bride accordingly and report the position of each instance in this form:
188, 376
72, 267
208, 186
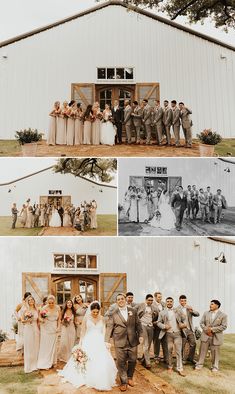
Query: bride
55, 220
107, 131
167, 217
100, 372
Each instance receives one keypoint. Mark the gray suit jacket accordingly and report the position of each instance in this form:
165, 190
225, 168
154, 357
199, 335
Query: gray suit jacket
167, 116
176, 117
141, 308
114, 307
147, 114
185, 118
123, 331
127, 115
218, 326
190, 316
158, 115
163, 320
137, 117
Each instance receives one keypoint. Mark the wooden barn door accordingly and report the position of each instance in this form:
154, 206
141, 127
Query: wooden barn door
110, 286
43, 200
66, 200
149, 91
83, 93
173, 182
38, 284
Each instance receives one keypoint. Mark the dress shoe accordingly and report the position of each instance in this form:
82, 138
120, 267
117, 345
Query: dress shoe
123, 387
181, 373
131, 382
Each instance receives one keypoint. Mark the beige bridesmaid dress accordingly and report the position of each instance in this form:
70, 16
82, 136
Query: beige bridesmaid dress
61, 131
87, 131
47, 356
52, 129
67, 340
70, 129
95, 132
93, 217
80, 313
31, 343
78, 139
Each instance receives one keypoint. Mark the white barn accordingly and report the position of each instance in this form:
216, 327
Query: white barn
110, 52
47, 187
99, 268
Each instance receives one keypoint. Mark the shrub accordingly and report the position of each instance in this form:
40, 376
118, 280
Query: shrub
209, 137
3, 336
28, 135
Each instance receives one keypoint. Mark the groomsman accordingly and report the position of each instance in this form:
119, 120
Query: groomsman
167, 120
195, 205
179, 203
219, 202
213, 324
176, 122
189, 201
36, 216
189, 336
158, 121
117, 115
160, 305
14, 212
186, 124
171, 322
129, 301
128, 120
210, 203
203, 200
137, 116
147, 314
147, 120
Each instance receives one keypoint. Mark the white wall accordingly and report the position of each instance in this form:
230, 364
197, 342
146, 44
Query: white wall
173, 266
201, 172
41, 68
39, 185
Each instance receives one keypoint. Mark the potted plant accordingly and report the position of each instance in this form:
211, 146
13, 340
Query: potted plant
3, 337
28, 139
208, 139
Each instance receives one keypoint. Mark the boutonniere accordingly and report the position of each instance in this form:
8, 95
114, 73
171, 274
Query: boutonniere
130, 313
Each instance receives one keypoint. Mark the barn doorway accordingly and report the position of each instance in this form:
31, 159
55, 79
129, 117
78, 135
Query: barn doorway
55, 200
165, 183
108, 94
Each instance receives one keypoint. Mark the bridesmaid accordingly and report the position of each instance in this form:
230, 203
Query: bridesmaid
93, 215
23, 215
80, 310
71, 122
68, 331
61, 131
78, 140
95, 128
30, 219
18, 314
31, 335
67, 218
52, 128
88, 119
49, 329
42, 215
133, 206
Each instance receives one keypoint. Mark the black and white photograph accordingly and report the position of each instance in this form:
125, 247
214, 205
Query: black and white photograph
176, 197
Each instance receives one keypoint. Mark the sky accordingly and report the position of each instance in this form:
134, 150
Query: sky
20, 16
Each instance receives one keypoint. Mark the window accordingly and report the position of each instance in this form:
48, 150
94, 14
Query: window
75, 261
115, 73
52, 192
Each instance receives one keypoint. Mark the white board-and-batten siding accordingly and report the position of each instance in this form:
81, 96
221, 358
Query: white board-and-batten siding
41, 68
173, 266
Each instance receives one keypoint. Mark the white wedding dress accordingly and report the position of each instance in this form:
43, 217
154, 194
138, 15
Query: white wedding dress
101, 370
55, 220
107, 131
167, 218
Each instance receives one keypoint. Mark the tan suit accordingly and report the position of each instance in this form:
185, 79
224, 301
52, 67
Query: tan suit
158, 122
148, 329
128, 122
147, 120
125, 334
137, 120
167, 121
186, 125
176, 124
189, 336
218, 325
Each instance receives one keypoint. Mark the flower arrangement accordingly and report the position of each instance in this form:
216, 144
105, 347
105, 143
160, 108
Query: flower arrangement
99, 116
28, 135
66, 320
209, 137
3, 336
28, 315
43, 314
80, 358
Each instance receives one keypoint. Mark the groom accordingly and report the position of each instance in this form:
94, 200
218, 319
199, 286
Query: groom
125, 328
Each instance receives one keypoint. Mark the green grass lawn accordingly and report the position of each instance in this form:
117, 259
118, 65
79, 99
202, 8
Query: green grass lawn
5, 228
13, 380
9, 147
204, 382
107, 225
226, 148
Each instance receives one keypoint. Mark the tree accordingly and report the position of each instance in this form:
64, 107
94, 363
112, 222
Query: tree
221, 12
90, 169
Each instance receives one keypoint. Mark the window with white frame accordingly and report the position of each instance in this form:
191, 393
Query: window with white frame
115, 73
75, 261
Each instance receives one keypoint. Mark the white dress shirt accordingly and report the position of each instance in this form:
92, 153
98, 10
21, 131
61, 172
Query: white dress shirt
124, 312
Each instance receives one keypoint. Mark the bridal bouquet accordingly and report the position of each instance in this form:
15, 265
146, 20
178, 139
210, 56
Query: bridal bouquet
80, 358
43, 314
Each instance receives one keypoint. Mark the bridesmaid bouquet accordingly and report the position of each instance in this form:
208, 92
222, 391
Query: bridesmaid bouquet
28, 315
80, 358
44, 314
99, 115
66, 320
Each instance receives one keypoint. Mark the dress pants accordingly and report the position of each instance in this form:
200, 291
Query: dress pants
148, 131
217, 214
190, 339
188, 135
168, 134
179, 214
159, 133
215, 353
176, 131
158, 342
137, 133
126, 362
128, 133
119, 131
195, 208
14, 219
148, 338
175, 340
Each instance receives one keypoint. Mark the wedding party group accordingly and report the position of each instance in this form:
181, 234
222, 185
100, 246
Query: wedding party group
158, 208
79, 336
71, 125
47, 215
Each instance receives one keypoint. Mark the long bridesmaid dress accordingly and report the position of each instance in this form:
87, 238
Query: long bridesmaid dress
31, 343
61, 131
67, 340
78, 140
52, 129
48, 341
87, 131
70, 128
95, 131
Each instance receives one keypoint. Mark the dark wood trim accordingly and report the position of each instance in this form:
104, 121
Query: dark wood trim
223, 240
121, 4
